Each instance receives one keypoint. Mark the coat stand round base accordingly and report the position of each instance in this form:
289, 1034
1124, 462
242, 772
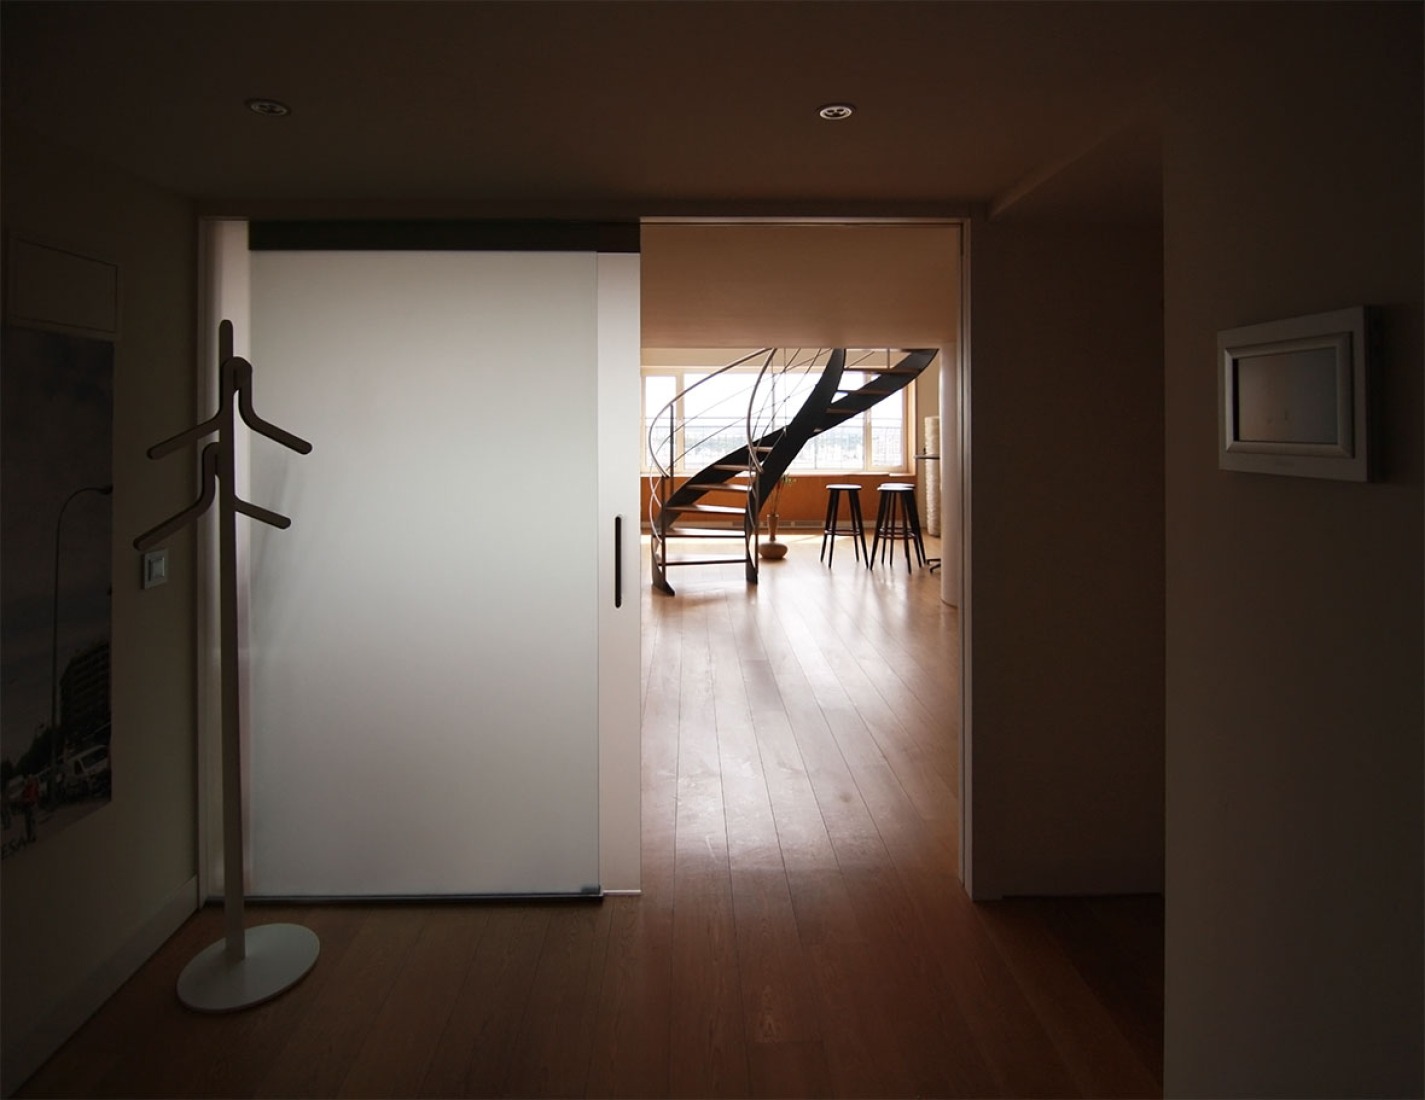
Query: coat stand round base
278, 957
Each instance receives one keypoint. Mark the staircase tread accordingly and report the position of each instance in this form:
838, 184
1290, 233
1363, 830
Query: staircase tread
714, 486
703, 560
720, 509
694, 533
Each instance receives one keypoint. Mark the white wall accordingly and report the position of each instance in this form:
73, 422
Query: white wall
83, 907
1294, 607
1065, 538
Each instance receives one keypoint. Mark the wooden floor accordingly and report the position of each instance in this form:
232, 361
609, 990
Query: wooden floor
802, 931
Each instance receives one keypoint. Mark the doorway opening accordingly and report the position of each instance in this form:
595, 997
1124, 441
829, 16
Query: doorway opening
815, 719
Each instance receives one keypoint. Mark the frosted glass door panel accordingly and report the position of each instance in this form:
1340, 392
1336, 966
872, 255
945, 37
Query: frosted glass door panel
423, 651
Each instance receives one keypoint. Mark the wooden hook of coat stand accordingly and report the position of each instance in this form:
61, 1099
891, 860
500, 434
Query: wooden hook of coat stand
249, 965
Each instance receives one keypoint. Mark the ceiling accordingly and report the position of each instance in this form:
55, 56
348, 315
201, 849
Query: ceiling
594, 109
800, 285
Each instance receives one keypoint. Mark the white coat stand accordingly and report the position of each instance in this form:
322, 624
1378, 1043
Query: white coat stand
249, 965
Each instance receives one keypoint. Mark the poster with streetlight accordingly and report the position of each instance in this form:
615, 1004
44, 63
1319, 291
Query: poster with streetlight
56, 539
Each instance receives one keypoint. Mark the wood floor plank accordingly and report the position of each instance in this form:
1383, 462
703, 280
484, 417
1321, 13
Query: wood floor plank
789, 1069
1013, 1040
631, 1047
1082, 1029
659, 796
707, 1041
321, 1046
801, 830
100, 1058
551, 1056
1116, 945
398, 1051
823, 906
1130, 954
933, 1040
474, 1053
918, 746
860, 1040
707, 1038
778, 1005
221, 1062
845, 815
701, 824
847, 756
747, 807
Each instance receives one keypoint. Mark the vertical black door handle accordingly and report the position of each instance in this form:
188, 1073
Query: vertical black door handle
618, 561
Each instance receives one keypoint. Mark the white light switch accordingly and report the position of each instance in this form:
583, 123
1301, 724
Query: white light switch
155, 567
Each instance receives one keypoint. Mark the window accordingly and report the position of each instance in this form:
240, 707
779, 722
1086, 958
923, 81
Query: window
708, 414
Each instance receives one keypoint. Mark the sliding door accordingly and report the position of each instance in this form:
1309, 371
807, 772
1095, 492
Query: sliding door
423, 642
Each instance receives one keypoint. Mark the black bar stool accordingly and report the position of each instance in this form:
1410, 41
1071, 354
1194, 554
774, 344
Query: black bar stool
831, 528
897, 518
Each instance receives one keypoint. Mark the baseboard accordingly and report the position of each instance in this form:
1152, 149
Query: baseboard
28, 1051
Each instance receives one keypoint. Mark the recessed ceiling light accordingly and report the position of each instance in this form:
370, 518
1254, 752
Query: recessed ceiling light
835, 112
270, 107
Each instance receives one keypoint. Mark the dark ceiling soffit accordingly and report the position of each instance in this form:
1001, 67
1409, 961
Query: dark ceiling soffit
442, 236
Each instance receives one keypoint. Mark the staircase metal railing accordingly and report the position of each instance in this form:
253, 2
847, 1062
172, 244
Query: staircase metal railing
686, 436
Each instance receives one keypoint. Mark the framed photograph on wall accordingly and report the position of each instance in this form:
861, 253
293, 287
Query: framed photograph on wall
1292, 397
56, 557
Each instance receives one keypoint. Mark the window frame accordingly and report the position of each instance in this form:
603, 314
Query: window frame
680, 376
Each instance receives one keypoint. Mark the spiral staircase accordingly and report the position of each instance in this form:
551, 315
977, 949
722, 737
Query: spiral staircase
794, 397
